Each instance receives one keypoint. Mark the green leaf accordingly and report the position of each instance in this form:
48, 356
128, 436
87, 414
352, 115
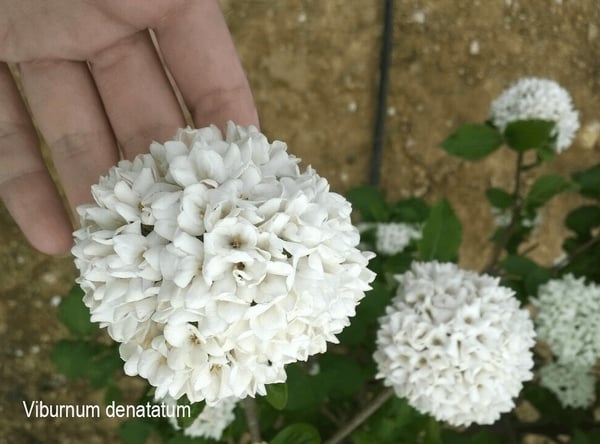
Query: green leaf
589, 182
195, 409
412, 210
299, 433
580, 438
528, 272
340, 375
360, 330
433, 432
75, 315
369, 201
277, 395
545, 188
113, 394
362, 437
188, 440
303, 394
498, 198
134, 431
442, 234
523, 135
103, 366
583, 220
73, 358
481, 437
473, 141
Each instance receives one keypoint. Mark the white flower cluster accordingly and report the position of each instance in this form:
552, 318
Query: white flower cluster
211, 422
503, 217
455, 344
573, 385
393, 238
215, 262
535, 98
568, 319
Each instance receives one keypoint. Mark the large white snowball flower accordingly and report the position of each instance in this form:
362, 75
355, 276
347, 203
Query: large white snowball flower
568, 319
211, 422
535, 98
215, 262
455, 344
573, 385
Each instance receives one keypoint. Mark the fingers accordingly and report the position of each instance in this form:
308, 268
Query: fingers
69, 114
25, 185
200, 54
136, 93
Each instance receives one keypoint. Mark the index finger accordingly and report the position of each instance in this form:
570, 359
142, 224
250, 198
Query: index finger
200, 53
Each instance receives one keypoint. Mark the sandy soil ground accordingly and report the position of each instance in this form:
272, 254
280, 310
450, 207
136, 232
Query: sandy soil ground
312, 65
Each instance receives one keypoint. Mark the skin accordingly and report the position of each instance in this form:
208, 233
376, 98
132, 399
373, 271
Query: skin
97, 91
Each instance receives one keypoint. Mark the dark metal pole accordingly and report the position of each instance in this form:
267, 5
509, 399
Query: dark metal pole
381, 111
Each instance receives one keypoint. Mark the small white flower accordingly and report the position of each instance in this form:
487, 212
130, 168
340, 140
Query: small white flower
455, 344
503, 217
216, 262
573, 385
569, 319
393, 238
211, 422
535, 98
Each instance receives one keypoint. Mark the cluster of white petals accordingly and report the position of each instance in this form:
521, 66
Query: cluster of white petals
455, 344
573, 385
216, 262
211, 422
568, 319
542, 99
393, 238
503, 217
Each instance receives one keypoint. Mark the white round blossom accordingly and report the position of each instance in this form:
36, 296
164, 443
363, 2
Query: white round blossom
211, 422
573, 385
455, 344
393, 238
535, 98
216, 262
568, 319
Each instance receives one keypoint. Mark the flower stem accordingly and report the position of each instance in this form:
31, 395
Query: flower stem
575, 253
361, 417
249, 405
500, 244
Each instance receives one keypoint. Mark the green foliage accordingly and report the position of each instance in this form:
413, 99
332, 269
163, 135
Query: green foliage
523, 135
583, 220
369, 201
195, 409
73, 358
297, 434
394, 422
589, 182
473, 141
277, 395
75, 315
135, 431
523, 275
545, 188
498, 198
442, 234
361, 329
413, 210
76, 358
481, 437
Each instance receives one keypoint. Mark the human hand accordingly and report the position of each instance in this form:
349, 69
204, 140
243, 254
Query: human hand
98, 92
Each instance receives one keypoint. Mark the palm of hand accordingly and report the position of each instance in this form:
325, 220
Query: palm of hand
98, 91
